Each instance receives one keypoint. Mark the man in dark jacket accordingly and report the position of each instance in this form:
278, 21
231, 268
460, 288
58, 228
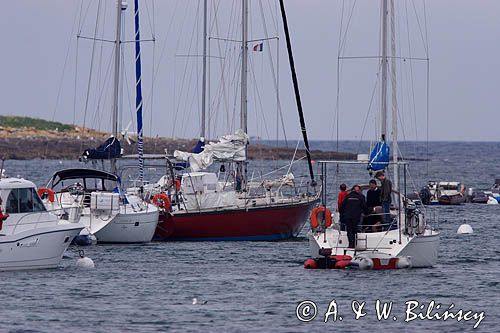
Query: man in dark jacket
351, 209
372, 200
385, 196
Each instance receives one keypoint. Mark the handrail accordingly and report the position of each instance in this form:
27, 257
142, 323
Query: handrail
36, 223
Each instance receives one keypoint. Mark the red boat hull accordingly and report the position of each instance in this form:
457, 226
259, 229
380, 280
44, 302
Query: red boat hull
254, 223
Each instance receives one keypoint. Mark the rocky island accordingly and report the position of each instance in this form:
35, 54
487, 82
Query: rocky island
25, 138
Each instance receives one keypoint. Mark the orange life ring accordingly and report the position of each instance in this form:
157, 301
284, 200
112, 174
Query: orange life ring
314, 216
42, 191
161, 200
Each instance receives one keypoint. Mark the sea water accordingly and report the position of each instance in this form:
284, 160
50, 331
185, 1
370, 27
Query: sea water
262, 286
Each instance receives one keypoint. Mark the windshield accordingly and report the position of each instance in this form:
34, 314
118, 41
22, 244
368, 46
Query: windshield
24, 200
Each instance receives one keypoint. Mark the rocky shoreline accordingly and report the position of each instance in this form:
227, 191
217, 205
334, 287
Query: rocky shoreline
28, 144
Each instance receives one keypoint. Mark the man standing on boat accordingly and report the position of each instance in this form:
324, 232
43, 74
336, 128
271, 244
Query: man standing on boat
385, 196
351, 209
372, 222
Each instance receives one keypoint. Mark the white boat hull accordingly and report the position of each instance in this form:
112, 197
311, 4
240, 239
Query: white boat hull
129, 228
38, 248
422, 249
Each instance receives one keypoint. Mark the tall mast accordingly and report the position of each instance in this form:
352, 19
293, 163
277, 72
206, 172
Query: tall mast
241, 168
394, 134
296, 90
383, 107
116, 83
244, 65
138, 93
204, 82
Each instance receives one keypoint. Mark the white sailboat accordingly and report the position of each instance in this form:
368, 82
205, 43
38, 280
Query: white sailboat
409, 235
109, 214
30, 236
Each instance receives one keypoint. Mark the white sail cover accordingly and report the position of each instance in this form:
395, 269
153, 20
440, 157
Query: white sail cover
230, 147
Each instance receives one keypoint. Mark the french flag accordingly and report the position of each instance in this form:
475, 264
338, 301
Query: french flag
258, 47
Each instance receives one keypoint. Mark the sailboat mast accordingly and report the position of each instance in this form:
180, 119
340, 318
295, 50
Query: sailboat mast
204, 81
394, 134
116, 83
244, 66
296, 90
383, 107
138, 93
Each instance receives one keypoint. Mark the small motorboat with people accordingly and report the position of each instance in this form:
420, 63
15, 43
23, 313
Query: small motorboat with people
108, 213
443, 193
31, 237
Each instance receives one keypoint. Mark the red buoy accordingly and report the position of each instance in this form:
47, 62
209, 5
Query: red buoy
310, 264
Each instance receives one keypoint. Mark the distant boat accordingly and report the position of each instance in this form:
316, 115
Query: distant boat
495, 190
444, 193
32, 237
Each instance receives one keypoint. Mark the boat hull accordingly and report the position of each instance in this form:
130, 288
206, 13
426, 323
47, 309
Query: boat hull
457, 199
129, 228
422, 249
39, 248
267, 223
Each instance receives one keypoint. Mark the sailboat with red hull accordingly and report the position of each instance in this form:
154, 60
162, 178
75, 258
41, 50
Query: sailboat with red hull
197, 205
256, 223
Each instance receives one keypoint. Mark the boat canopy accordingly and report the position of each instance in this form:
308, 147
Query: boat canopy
229, 148
81, 173
379, 158
111, 148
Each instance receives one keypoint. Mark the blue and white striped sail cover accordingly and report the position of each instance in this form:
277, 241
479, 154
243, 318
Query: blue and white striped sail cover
379, 158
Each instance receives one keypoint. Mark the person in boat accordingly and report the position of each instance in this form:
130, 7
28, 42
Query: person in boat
3, 216
372, 222
342, 195
385, 196
351, 210
340, 199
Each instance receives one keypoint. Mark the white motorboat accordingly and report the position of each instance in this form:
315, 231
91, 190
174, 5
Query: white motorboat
32, 237
108, 214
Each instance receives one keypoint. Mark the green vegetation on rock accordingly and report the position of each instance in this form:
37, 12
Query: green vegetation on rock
39, 124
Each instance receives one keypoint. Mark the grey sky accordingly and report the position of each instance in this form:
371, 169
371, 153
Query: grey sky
464, 75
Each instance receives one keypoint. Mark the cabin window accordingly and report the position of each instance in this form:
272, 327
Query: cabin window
24, 200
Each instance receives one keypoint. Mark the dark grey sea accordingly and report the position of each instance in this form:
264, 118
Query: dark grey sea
257, 286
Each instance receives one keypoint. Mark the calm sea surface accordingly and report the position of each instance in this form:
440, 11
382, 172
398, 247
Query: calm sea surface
256, 286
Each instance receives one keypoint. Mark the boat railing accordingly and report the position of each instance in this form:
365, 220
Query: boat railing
48, 218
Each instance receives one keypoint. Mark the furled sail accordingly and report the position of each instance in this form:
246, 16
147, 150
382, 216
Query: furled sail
228, 148
111, 148
379, 158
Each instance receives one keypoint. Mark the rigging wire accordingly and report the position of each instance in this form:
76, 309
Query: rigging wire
258, 98
183, 81
91, 65
274, 75
64, 66
99, 74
